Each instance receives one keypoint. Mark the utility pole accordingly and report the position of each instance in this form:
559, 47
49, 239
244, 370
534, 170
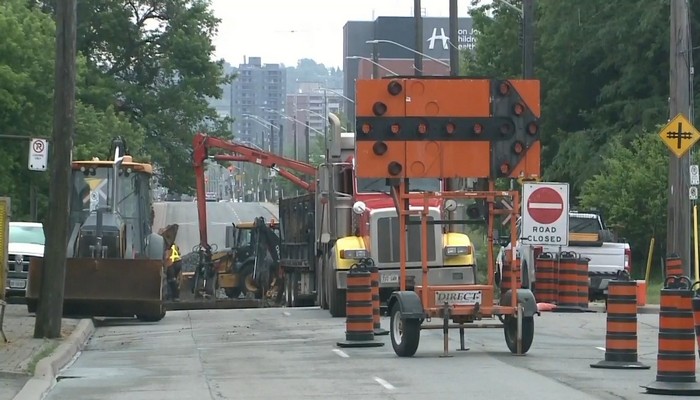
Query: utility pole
418, 26
50, 308
375, 59
454, 34
679, 219
528, 39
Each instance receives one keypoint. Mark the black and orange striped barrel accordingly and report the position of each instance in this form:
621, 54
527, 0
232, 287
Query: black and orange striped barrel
359, 310
696, 312
376, 304
506, 272
571, 275
674, 266
621, 337
546, 278
582, 264
676, 355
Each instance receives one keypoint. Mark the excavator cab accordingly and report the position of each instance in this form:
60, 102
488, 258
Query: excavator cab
114, 264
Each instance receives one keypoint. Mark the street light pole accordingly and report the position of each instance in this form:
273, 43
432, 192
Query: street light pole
375, 65
418, 27
454, 32
528, 39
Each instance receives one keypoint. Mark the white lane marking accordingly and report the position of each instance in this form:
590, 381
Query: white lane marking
286, 314
601, 348
341, 353
549, 206
384, 383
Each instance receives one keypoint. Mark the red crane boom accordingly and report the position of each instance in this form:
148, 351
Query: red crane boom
201, 145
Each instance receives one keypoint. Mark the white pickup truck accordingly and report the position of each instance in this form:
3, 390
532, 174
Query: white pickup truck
588, 237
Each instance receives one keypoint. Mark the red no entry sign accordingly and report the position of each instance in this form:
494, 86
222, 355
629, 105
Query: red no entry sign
545, 205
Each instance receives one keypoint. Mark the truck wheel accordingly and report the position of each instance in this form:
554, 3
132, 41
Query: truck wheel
336, 297
320, 283
510, 330
405, 334
153, 317
291, 285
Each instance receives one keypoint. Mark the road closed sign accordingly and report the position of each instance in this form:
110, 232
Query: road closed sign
545, 211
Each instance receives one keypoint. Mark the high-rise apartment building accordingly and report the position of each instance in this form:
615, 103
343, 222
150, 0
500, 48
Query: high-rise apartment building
257, 98
307, 108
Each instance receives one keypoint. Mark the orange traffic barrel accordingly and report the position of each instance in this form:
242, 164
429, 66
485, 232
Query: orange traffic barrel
546, 278
674, 266
506, 273
621, 327
583, 283
359, 320
572, 295
675, 361
696, 313
376, 311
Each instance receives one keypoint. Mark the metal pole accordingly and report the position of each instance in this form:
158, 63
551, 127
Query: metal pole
306, 142
528, 39
454, 33
678, 222
418, 26
230, 89
375, 59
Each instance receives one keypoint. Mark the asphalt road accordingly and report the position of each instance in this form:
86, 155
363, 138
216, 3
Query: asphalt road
219, 215
292, 354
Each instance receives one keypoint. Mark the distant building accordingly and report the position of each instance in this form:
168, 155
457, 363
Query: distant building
256, 99
307, 108
395, 58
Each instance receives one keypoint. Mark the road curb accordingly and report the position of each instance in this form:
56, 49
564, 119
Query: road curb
648, 309
47, 368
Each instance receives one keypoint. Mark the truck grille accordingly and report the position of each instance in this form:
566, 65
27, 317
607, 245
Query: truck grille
16, 270
388, 241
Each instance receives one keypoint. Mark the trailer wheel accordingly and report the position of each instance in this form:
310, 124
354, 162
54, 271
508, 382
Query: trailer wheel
405, 333
510, 331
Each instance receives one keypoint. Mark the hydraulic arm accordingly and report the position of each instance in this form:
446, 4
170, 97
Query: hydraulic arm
202, 143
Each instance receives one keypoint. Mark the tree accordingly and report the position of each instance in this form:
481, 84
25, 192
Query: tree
26, 90
630, 190
151, 59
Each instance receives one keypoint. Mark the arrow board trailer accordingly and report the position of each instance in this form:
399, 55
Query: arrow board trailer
545, 214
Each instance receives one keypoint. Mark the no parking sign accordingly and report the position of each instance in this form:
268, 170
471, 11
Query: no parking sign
545, 211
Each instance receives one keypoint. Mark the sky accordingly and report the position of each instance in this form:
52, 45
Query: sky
283, 31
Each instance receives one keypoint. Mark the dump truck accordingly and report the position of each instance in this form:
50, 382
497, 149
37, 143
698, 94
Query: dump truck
114, 265
355, 218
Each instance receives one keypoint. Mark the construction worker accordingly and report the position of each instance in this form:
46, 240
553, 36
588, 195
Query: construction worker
172, 272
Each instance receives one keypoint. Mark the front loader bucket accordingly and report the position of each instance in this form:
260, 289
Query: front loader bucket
106, 288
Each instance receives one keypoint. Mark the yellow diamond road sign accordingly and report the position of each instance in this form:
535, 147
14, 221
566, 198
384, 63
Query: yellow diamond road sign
679, 135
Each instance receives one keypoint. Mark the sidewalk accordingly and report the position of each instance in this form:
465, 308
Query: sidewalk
19, 357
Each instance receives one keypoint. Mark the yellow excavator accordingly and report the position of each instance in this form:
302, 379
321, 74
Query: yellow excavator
114, 265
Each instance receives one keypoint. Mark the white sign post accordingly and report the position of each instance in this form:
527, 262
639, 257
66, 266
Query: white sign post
38, 154
694, 175
545, 214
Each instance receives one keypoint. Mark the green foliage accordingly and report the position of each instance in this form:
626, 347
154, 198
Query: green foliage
604, 84
151, 61
26, 71
630, 189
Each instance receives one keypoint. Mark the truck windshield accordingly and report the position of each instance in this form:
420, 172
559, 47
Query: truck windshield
584, 225
27, 234
368, 185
